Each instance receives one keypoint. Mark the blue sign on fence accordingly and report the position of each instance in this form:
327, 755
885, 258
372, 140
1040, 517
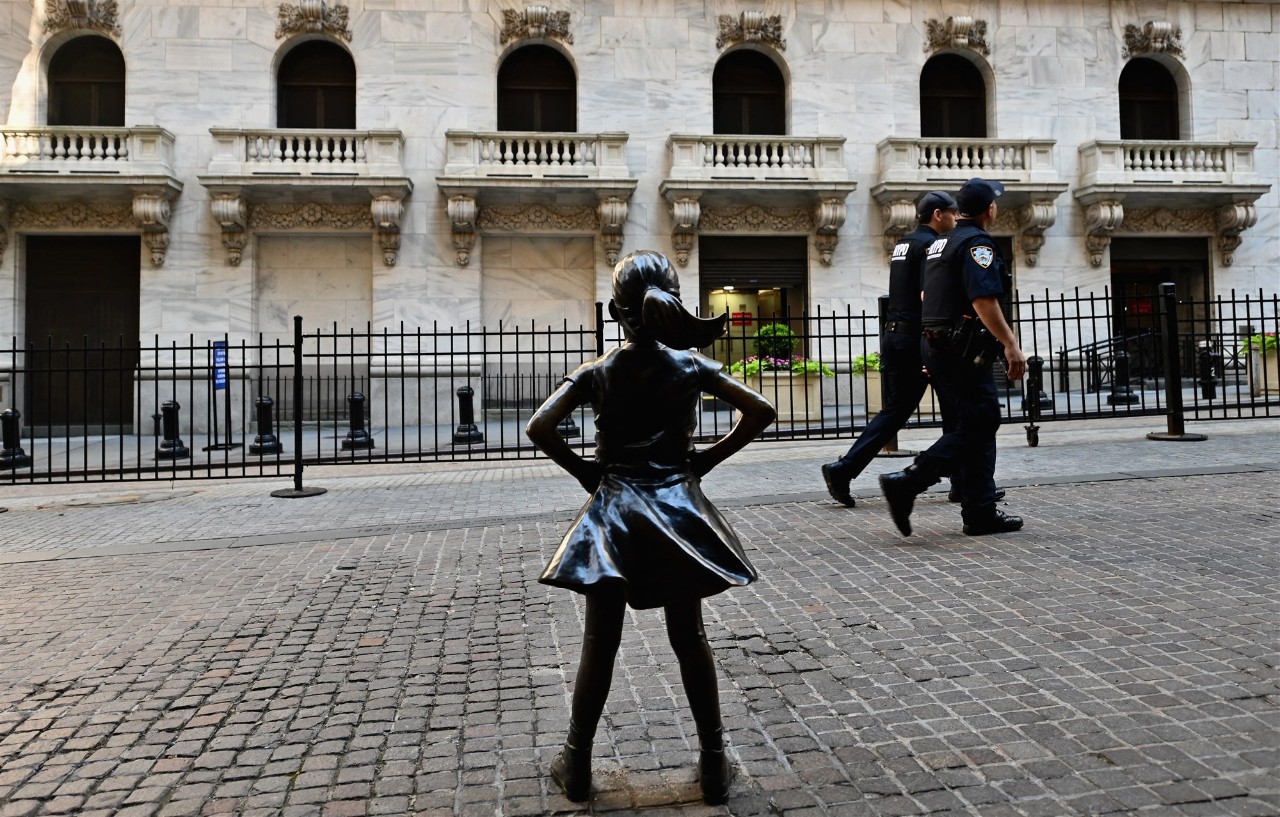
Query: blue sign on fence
219, 364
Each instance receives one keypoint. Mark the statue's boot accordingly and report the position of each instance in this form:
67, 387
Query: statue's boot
714, 771
571, 768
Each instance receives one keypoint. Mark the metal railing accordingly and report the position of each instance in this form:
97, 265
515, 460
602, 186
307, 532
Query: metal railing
238, 407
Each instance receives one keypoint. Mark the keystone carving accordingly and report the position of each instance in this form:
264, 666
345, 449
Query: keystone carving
956, 32
94, 15
535, 22
1033, 219
1232, 220
1156, 37
1101, 220
232, 215
312, 17
751, 27
462, 220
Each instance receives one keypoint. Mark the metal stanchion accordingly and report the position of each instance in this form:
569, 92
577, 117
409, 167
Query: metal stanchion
171, 447
1172, 370
358, 438
266, 441
466, 432
12, 456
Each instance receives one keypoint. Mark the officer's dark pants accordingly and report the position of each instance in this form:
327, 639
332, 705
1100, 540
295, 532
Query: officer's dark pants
968, 450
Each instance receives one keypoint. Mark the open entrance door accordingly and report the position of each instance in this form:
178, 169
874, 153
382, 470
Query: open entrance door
82, 331
757, 280
1138, 267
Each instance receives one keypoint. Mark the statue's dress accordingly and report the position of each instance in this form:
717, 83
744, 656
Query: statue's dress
648, 528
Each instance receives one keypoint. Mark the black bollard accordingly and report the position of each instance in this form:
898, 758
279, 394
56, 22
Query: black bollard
265, 442
357, 437
171, 447
1208, 382
568, 428
466, 433
12, 456
1121, 394
1175, 422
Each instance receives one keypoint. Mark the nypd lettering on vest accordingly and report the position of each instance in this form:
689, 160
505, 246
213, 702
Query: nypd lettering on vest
900, 251
935, 249
982, 256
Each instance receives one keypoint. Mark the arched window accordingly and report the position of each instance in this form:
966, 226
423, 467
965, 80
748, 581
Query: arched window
537, 91
316, 88
1148, 101
86, 84
748, 95
953, 99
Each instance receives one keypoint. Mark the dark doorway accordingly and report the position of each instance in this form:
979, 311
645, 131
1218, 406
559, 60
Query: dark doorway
953, 99
1138, 268
82, 330
316, 88
537, 91
757, 280
1148, 101
748, 95
86, 84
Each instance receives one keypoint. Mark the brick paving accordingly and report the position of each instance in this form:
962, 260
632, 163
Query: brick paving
1119, 656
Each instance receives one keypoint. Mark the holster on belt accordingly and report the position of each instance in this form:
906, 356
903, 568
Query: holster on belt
974, 342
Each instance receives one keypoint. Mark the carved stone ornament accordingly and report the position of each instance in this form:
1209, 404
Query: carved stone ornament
387, 212
830, 217
613, 217
232, 214
956, 32
538, 219
536, 23
1101, 220
312, 17
152, 214
1233, 219
1168, 220
750, 27
310, 215
147, 211
462, 221
94, 15
1156, 37
1033, 219
756, 219
685, 215
4, 226
899, 217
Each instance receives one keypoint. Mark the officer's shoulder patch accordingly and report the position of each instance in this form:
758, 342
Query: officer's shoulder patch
983, 256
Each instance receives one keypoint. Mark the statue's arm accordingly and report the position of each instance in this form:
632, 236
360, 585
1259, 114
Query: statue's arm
541, 429
756, 413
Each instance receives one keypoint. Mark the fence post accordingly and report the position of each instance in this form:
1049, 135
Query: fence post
265, 442
171, 447
599, 328
12, 456
297, 491
1035, 399
357, 437
1172, 370
1121, 394
467, 433
1208, 383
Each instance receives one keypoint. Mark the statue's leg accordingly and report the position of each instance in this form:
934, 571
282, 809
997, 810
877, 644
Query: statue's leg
698, 672
571, 768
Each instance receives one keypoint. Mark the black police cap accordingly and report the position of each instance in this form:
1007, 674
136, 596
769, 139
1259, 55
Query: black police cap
976, 196
936, 200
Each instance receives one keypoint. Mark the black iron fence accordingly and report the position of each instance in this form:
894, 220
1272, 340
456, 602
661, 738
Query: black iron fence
234, 407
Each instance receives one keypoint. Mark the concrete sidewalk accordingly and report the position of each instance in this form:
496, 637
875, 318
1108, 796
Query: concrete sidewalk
385, 648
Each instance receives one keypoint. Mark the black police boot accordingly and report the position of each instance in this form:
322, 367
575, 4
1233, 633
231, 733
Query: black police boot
999, 522
900, 490
571, 768
954, 494
714, 771
837, 485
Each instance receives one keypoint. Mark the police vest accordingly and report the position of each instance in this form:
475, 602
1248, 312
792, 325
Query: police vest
904, 274
946, 297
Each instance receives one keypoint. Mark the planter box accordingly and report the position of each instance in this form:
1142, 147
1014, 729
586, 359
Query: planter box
1264, 373
795, 396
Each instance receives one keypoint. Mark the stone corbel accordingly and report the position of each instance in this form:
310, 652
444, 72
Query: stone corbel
829, 219
387, 212
1101, 220
1033, 219
956, 32
1156, 37
1232, 220
613, 217
462, 221
535, 22
152, 211
899, 218
232, 214
4, 226
685, 215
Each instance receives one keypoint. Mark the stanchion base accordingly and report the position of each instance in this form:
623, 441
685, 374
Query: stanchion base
1181, 438
222, 446
15, 461
298, 493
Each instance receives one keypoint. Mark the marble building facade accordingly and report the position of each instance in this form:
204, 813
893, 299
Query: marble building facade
424, 210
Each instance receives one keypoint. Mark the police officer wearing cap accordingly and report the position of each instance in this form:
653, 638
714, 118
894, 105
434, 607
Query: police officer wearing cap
900, 363
963, 275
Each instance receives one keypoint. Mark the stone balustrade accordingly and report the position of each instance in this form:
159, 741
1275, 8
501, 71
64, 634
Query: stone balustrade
66, 150
1138, 161
307, 152
763, 158
518, 154
908, 160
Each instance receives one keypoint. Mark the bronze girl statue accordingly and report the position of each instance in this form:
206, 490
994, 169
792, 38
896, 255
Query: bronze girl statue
647, 537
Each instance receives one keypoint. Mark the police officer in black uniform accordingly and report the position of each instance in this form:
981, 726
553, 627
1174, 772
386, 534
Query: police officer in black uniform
900, 363
963, 279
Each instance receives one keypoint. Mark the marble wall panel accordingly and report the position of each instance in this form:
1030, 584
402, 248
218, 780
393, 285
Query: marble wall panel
222, 23
325, 279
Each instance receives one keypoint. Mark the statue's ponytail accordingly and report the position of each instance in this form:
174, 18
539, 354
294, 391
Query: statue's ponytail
646, 300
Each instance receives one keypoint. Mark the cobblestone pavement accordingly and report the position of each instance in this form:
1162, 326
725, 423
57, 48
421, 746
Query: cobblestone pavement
386, 649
